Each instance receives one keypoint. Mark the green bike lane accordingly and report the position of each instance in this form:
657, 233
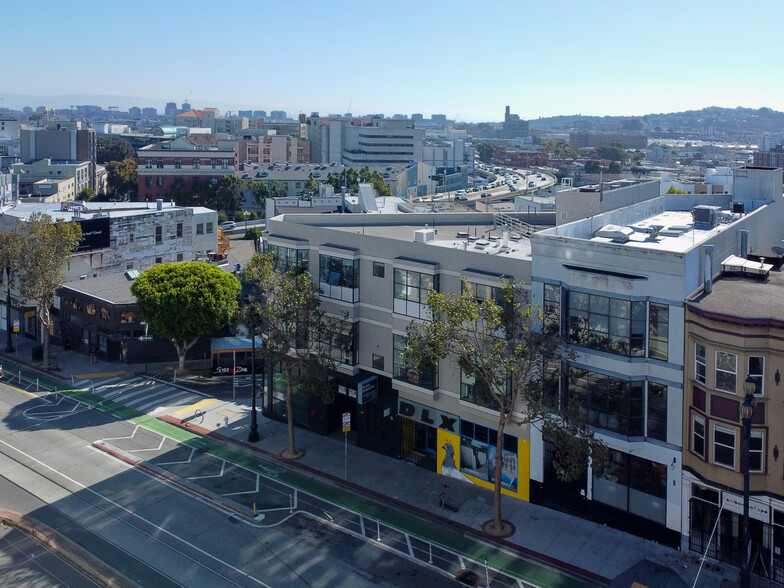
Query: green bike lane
438, 532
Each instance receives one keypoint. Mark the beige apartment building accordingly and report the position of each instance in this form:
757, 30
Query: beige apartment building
734, 330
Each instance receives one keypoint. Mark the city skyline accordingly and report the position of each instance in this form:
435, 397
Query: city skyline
464, 60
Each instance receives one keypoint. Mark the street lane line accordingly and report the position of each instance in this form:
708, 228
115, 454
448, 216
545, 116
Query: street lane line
193, 407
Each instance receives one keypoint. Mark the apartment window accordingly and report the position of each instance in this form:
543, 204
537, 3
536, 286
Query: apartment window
411, 289
179, 257
160, 181
658, 331
726, 371
475, 392
214, 163
552, 308
343, 344
378, 269
424, 375
209, 228
148, 163
606, 324
179, 230
700, 363
225, 164
377, 361
757, 372
756, 452
148, 182
131, 237
339, 278
159, 163
158, 234
200, 229
657, 411
196, 163
724, 446
159, 260
698, 435
178, 163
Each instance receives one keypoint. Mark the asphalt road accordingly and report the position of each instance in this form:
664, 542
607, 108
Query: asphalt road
159, 535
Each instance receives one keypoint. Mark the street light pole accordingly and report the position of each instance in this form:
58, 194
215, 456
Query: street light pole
146, 340
253, 435
746, 412
9, 346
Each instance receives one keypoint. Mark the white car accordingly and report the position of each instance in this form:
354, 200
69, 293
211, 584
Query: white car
228, 225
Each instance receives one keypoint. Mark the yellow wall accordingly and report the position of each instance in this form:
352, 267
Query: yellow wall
523, 464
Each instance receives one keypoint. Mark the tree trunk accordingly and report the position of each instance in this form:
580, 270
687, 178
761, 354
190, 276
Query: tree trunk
499, 464
182, 348
43, 318
292, 450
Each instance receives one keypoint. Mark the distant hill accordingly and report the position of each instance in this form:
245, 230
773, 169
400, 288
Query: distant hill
713, 121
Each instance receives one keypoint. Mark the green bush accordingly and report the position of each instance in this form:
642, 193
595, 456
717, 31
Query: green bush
252, 234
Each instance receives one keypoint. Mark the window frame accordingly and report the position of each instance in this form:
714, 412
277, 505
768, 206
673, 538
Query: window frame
718, 370
758, 453
697, 419
720, 429
758, 377
406, 282
378, 269
701, 378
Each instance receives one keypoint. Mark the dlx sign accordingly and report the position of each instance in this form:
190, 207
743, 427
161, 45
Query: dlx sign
427, 415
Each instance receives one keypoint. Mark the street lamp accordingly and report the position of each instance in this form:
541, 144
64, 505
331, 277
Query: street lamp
9, 346
253, 435
145, 338
746, 412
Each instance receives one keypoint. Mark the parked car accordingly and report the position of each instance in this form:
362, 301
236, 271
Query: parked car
228, 225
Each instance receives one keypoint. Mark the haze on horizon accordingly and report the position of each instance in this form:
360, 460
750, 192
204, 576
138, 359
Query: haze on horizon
466, 60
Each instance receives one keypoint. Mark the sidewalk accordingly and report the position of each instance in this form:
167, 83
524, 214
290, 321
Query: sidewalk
596, 551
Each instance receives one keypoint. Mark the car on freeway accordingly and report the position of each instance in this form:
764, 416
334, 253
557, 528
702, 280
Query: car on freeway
228, 225
531, 184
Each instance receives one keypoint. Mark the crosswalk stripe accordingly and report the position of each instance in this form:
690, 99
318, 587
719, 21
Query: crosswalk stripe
123, 396
158, 402
135, 403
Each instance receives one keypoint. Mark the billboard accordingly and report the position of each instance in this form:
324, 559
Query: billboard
95, 233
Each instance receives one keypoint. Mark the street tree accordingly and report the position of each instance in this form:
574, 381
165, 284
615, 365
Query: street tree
283, 306
484, 149
501, 342
311, 186
10, 247
44, 249
86, 194
228, 193
614, 168
185, 301
121, 177
592, 166
376, 179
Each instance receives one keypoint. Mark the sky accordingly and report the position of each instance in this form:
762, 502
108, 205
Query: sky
467, 60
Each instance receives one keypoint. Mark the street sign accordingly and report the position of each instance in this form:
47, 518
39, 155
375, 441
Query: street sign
16, 326
145, 338
346, 422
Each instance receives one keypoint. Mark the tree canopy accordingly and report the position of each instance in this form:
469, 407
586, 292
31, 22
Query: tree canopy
42, 250
277, 189
224, 195
285, 309
111, 150
592, 166
499, 343
121, 177
185, 301
260, 191
484, 149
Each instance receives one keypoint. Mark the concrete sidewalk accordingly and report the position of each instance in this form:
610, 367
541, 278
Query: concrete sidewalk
603, 554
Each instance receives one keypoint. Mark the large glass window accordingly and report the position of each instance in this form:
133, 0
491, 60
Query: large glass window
339, 278
425, 375
606, 324
698, 435
610, 403
757, 372
657, 411
411, 289
343, 344
289, 257
634, 485
475, 391
552, 308
726, 371
724, 446
700, 363
477, 454
658, 331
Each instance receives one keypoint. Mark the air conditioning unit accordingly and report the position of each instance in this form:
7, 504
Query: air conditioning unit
705, 215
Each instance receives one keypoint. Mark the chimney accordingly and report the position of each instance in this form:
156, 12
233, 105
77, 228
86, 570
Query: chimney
708, 268
159, 203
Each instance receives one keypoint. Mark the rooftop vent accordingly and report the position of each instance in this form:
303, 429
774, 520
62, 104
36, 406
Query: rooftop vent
615, 232
424, 235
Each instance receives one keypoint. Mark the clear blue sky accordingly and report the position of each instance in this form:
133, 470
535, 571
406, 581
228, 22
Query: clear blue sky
463, 59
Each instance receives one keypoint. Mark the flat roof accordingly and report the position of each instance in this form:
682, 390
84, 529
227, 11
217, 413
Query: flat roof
741, 296
88, 210
114, 288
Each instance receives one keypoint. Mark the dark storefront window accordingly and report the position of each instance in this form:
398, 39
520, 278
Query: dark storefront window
634, 485
610, 403
477, 454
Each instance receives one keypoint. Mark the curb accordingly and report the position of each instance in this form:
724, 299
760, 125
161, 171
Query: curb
91, 566
377, 496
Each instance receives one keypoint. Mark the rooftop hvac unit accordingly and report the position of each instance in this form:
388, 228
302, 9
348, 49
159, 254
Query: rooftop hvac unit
705, 215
